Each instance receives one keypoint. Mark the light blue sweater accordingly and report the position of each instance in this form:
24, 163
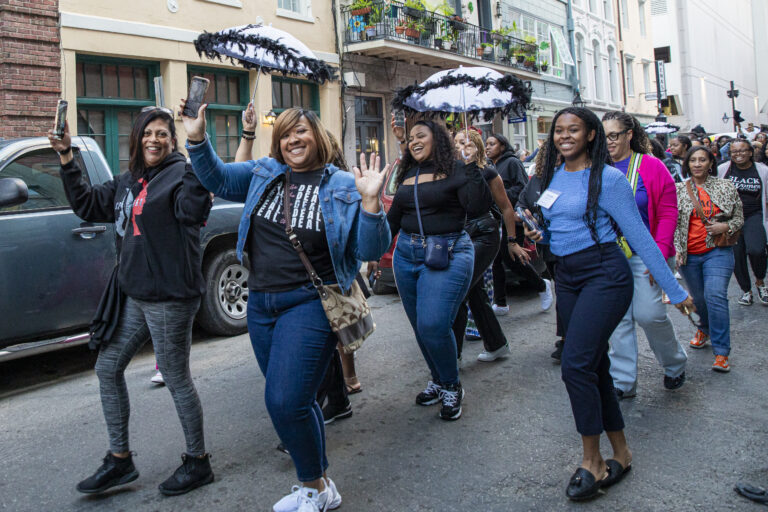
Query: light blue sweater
568, 232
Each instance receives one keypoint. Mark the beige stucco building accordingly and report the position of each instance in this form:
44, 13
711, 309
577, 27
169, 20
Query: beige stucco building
111, 52
633, 26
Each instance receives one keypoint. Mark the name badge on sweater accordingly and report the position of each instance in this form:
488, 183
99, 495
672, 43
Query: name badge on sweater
548, 198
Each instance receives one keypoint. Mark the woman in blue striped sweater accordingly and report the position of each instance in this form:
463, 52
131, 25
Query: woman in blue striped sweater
585, 202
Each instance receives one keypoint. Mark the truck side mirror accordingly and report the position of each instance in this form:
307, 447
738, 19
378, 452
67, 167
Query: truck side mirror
13, 191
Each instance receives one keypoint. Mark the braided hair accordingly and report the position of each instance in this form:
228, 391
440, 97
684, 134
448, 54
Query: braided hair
639, 142
597, 154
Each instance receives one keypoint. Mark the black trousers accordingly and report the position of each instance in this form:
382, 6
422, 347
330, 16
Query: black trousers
550, 260
484, 233
500, 278
751, 247
594, 290
333, 387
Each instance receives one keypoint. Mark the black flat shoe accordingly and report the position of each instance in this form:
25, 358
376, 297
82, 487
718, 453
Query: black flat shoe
583, 485
756, 494
615, 472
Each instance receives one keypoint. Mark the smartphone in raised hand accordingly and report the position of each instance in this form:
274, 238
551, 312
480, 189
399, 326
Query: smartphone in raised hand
528, 220
197, 89
59, 124
400, 118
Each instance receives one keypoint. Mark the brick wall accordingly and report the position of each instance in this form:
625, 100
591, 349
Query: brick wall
30, 66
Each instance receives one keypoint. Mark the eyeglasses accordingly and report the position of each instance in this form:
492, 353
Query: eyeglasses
161, 109
613, 137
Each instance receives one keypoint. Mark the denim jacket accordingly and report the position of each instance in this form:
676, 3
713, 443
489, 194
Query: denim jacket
354, 235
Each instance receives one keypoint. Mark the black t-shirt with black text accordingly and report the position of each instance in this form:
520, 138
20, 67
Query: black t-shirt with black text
275, 265
749, 187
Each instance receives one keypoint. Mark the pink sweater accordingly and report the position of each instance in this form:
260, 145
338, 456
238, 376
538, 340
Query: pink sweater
662, 203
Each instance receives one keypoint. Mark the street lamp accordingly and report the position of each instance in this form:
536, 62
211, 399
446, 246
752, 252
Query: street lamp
270, 118
577, 101
725, 117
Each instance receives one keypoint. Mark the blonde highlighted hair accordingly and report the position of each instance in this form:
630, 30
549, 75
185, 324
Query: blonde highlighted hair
476, 139
288, 120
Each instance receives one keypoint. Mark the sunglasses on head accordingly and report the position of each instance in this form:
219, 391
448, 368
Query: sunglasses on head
161, 109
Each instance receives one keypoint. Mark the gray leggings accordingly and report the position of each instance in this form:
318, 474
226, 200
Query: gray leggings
169, 324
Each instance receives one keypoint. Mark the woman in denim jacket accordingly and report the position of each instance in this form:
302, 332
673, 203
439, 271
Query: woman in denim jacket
339, 222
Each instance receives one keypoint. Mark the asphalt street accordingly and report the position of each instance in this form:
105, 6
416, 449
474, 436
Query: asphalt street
513, 450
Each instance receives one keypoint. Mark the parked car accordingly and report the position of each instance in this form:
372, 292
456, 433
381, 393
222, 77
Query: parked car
54, 267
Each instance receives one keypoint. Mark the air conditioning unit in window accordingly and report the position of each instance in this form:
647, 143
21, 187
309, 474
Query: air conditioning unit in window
354, 79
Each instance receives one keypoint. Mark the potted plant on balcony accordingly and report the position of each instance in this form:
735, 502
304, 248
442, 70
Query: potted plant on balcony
497, 35
519, 55
530, 62
399, 29
480, 49
445, 9
414, 8
370, 31
544, 65
413, 28
449, 40
376, 18
361, 7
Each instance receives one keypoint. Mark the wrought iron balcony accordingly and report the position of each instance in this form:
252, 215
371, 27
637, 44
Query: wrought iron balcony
446, 38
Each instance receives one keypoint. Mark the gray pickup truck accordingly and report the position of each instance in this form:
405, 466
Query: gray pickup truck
54, 266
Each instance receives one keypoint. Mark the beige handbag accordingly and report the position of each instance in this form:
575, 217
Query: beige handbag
349, 315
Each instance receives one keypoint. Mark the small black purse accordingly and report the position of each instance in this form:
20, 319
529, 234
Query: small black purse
437, 249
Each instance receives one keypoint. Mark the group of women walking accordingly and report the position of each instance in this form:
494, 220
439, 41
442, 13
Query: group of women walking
611, 223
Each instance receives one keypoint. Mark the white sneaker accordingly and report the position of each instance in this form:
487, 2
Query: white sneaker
492, 356
329, 499
678, 276
500, 310
158, 378
546, 296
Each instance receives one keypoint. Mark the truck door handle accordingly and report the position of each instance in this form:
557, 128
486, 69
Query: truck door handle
88, 232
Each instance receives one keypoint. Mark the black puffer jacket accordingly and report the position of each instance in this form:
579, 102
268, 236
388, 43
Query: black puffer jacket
512, 172
158, 219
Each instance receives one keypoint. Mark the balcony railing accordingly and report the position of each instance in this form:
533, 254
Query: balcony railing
392, 20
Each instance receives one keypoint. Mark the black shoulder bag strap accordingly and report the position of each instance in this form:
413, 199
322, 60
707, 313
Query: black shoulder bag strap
294, 239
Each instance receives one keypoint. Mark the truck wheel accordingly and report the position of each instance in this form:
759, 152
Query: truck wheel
224, 304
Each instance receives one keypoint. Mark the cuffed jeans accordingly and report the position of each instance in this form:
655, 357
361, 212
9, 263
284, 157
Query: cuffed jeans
707, 276
293, 344
169, 324
594, 290
751, 247
650, 313
485, 239
431, 299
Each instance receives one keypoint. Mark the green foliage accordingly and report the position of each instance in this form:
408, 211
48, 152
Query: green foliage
360, 4
445, 9
415, 4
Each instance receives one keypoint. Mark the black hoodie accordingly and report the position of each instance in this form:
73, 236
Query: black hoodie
159, 219
512, 172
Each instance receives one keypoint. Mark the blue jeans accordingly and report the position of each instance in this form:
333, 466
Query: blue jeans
431, 299
293, 343
707, 276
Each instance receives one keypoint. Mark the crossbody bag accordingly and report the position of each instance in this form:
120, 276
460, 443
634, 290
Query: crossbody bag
633, 175
721, 240
437, 249
349, 315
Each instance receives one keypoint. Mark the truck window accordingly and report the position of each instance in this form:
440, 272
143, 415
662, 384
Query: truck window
39, 169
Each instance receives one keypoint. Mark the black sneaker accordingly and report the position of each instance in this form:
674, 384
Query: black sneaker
472, 337
451, 396
194, 472
281, 448
332, 412
746, 299
430, 395
558, 353
114, 471
762, 294
673, 383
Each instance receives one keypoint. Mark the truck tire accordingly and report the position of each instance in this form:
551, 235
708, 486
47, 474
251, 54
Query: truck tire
224, 305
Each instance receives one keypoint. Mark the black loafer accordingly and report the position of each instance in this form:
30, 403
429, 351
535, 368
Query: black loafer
615, 472
756, 494
583, 485
672, 383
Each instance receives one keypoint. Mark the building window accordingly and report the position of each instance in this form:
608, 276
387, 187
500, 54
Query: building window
607, 10
624, 13
593, 6
542, 31
289, 92
596, 70
110, 94
612, 75
369, 127
641, 16
630, 77
300, 8
647, 77
227, 97
581, 63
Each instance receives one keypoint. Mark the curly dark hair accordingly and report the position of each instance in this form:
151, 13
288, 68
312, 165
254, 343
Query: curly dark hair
690, 153
443, 151
639, 142
657, 149
597, 153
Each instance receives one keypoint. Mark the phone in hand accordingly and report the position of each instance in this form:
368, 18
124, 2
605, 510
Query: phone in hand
197, 89
528, 220
400, 118
61, 119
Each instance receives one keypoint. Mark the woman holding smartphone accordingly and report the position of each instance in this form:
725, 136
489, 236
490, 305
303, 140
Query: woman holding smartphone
338, 220
448, 191
705, 267
584, 202
160, 274
484, 232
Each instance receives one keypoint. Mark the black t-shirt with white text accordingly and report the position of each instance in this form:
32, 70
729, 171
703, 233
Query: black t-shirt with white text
749, 187
275, 265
